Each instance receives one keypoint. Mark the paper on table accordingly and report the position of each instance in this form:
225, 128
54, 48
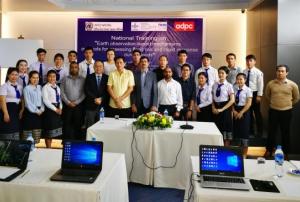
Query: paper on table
290, 188
6, 171
296, 163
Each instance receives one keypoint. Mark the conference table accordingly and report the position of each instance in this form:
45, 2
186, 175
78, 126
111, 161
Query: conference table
35, 185
155, 157
288, 185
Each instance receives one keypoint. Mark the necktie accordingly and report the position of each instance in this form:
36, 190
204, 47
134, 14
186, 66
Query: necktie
18, 95
56, 94
88, 69
41, 74
206, 74
237, 96
199, 96
218, 91
98, 81
23, 79
248, 78
57, 74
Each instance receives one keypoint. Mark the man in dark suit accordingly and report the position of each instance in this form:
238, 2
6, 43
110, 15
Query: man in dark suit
144, 96
96, 93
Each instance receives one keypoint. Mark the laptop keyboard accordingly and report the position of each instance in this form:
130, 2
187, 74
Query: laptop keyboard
224, 179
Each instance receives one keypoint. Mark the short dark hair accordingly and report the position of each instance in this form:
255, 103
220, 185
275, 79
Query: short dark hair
88, 48
59, 55
163, 56
144, 57
72, 51
51, 72
203, 74
241, 74
224, 68
186, 65
207, 55
231, 54
283, 65
250, 57
119, 57
11, 70
182, 52
110, 49
40, 50
74, 62
136, 51
19, 62
31, 75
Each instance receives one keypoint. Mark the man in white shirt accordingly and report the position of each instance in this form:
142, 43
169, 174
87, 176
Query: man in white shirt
72, 57
255, 81
169, 95
40, 66
86, 66
210, 72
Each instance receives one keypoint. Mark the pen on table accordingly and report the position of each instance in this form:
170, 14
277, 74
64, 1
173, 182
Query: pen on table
27, 171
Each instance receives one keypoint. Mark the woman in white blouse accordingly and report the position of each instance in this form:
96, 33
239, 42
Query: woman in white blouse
34, 108
52, 122
22, 67
10, 100
59, 68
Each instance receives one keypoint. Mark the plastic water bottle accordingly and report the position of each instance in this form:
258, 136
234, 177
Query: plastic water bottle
30, 138
101, 114
279, 159
166, 113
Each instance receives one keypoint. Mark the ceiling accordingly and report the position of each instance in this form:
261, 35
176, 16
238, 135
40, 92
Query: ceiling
154, 5
125, 5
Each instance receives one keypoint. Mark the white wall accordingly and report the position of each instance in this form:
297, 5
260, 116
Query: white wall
224, 31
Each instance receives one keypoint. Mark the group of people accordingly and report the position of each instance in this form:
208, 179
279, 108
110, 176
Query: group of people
51, 101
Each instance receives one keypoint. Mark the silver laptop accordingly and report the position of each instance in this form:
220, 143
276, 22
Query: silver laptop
222, 168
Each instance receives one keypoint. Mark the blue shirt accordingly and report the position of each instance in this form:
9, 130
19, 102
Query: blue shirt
33, 98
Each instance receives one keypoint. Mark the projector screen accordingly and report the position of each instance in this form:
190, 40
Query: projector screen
11, 50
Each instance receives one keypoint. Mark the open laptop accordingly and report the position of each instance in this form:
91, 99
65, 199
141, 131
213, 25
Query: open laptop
222, 168
13, 158
81, 161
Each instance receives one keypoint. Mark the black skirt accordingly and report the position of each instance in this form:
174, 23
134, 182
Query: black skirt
241, 127
31, 121
223, 120
205, 114
13, 126
52, 123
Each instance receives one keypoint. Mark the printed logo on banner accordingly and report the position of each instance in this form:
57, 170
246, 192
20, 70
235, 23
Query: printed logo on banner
104, 26
149, 26
184, 26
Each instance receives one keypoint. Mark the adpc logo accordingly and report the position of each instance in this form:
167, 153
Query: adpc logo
184, 26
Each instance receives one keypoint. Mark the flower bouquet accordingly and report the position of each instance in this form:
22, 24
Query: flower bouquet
153, 120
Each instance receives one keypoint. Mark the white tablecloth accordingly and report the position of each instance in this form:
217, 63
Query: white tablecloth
288, 185
158, 147
35, 186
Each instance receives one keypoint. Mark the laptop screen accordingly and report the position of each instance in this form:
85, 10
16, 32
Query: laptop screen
219, 160
14, 153
82, 154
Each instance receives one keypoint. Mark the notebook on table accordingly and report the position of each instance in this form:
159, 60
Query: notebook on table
81, 161
14, 156
222, 168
